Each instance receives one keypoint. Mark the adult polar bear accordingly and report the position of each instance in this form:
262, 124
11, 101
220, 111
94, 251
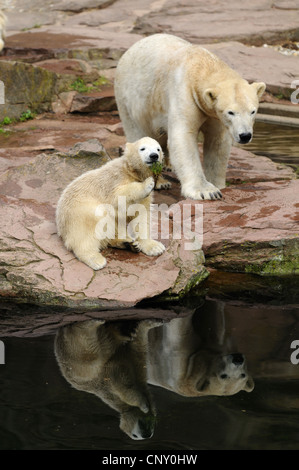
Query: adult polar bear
169, 89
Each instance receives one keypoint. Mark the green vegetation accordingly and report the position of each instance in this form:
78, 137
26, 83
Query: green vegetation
156, 168
6, 121
32, 27
82, 87
25, 116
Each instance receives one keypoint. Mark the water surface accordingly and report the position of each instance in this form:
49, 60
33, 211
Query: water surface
279, 142
39, 409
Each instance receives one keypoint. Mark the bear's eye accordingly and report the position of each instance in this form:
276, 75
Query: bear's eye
223, 376
142, 149
231, 113
253, 112
158, 150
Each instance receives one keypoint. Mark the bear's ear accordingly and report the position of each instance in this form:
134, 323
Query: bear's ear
260, 88
249, 386
128, 148
210, 96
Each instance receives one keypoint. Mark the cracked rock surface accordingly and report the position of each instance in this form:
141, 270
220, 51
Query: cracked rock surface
253, 218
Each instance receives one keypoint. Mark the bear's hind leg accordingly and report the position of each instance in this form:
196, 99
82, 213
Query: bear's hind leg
132, 130
89, 254
95, 261
82, 236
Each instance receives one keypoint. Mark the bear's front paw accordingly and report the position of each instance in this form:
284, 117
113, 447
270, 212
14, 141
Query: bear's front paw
206, 191
151, 247
162, 183
149, 184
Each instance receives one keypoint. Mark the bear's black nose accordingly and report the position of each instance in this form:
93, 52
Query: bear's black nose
245, 137
146, 428
237, 359
154, 157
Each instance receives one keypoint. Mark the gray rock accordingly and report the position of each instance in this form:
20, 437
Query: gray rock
76, 6
93, 104
90, 148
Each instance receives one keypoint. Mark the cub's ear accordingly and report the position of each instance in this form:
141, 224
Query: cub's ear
129, 148
210, 96
260, 88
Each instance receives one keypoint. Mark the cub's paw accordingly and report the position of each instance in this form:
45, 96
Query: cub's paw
96, 261
151, 247
149, 184
206, 191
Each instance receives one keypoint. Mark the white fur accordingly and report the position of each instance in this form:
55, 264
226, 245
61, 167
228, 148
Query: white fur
80, 208
170, 89
97, 357
182, 360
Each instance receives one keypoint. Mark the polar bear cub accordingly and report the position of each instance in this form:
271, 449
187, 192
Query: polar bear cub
170, 90
109, 360
93, 208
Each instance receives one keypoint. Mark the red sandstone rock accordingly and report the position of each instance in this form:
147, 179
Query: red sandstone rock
253, 229
37, 268
101, 35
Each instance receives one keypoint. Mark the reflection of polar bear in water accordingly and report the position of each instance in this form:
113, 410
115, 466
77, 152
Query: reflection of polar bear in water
108, 360
170, 90
79, 214
2, 29
193, 361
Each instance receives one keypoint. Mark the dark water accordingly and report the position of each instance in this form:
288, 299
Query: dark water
280, 143
39, 409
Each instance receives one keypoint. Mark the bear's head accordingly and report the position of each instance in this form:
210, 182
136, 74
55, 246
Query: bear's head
210, 373
144, 153
235, 104
136, 424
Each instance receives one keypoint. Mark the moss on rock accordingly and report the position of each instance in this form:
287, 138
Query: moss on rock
26, 87
274, 258
283, 262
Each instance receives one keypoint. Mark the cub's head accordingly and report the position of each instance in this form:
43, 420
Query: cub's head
235, 104
136, 424
144, 152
